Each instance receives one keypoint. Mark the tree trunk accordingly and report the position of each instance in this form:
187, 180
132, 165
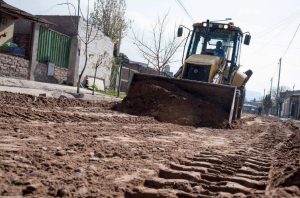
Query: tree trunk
95, 80
85, 64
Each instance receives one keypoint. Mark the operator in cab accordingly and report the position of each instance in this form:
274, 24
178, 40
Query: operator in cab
219, 51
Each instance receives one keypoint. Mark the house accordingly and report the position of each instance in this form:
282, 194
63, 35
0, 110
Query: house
290, 106
14, 62
75, 28
55, 49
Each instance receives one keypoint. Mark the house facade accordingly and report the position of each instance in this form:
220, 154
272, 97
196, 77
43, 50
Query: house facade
290, 107
52, 49
13, 60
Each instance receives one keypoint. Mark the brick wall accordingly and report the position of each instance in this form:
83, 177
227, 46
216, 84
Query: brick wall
12, 66
41, 71
128, 71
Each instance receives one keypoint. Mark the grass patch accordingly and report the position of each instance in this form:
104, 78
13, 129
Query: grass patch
112, 93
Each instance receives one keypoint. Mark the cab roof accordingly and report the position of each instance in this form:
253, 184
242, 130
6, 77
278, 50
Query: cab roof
230, 26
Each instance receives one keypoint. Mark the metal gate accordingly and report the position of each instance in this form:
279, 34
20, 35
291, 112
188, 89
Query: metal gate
53, 47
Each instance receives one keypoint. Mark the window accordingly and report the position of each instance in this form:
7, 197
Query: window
198, 45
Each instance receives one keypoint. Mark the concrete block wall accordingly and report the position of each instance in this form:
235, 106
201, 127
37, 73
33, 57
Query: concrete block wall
41, 74
61, 74
12, 66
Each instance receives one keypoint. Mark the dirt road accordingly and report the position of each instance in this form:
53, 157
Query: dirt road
69, 148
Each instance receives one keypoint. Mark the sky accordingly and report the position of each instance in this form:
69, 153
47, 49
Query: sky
272, 24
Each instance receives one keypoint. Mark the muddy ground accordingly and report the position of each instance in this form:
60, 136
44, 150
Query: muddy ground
70, 148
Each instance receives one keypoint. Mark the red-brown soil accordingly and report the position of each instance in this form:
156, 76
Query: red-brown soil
167, 103
62, 148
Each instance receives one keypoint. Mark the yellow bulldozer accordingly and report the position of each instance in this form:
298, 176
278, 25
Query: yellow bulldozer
210, 69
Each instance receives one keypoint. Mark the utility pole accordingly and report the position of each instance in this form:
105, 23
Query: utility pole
120, 59
78, 16
290, 102
277, 94
271, 87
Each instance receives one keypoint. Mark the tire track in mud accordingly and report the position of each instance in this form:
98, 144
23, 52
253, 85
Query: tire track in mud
60, 116
242, 173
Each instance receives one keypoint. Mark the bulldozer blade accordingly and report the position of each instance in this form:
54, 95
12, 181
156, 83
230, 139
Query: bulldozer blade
222, 96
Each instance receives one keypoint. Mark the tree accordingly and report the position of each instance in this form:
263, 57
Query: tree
89, 37
161, 48
102, 60
115, 70
110, 18
279, 99
267, 103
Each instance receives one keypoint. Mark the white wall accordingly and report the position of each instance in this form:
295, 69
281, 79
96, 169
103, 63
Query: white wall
97, 47
6, 27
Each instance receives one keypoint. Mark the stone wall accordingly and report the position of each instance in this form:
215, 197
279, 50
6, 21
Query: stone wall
41, 71
12, 66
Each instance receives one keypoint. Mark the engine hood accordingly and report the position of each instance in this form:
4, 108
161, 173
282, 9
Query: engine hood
199, 59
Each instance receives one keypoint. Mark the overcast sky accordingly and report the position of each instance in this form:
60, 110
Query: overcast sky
271, 23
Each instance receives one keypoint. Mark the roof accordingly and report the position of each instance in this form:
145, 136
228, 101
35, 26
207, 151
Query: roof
288, 94
138, 63
18, 13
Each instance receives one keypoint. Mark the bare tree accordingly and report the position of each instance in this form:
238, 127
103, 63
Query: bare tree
102, 60
279, 99
110, 18
160, 49
89, 37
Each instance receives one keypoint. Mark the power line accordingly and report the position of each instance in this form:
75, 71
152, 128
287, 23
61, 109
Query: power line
291, 41
185, 10
47, 10
274, 27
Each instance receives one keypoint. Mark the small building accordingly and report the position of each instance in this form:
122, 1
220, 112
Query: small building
50, 48
290, 106
251, 107
137, 67
14, 61
75, 28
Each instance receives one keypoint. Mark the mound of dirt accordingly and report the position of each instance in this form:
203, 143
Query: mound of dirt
167, 103
26, 100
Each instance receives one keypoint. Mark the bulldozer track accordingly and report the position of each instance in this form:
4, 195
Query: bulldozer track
242, 173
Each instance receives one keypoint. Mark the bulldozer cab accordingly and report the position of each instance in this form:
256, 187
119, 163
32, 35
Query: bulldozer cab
217, 39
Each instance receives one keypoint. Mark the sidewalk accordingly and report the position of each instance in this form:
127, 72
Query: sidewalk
51, 90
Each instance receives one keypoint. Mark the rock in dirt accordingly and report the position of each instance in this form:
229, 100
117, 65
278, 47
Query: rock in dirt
82, 190
50, 137
29, 190
62, 192
22, 159
168, 103
61, 153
